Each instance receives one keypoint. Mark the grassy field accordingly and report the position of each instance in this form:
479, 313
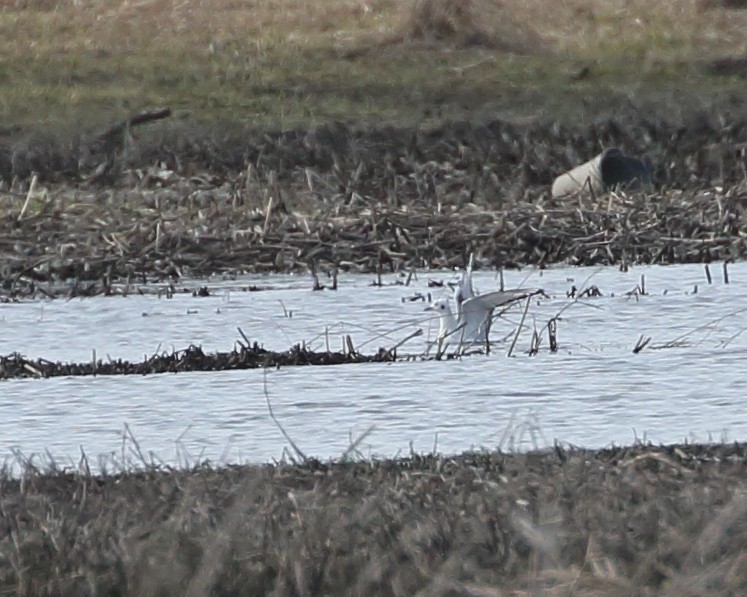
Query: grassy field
80, 63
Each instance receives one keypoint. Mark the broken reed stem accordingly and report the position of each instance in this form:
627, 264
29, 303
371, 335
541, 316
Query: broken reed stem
393, 349
268, 213
521, 325
708, 274
32, 370
552, 334
32, 188
243, 335
641, 344
726, 272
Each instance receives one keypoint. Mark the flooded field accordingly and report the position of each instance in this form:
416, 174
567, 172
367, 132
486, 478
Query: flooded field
686, 384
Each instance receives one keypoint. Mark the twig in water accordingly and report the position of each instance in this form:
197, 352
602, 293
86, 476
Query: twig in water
552, 334
286, 313
243, 335
317, 284
641, 344
353, 447
393, 349
726, 272
521, 325
733, 337
680, 340
708, 274
297, 450
536, 341
442, 344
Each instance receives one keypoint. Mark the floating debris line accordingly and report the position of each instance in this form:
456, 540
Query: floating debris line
192, 358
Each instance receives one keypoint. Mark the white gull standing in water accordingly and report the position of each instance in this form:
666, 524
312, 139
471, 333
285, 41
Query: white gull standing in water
472, 321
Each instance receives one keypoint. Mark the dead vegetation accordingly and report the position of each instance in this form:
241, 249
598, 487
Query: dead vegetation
642, 520
337, 197
193, 358
468, 23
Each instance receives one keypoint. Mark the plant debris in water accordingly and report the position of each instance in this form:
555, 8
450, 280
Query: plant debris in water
336, 197
641, 520
190, 359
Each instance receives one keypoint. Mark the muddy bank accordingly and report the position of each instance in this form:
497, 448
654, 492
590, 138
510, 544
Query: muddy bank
638, 520
189, 203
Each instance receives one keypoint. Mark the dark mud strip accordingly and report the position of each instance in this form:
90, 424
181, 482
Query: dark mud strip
642, 520
365, 200
190, 359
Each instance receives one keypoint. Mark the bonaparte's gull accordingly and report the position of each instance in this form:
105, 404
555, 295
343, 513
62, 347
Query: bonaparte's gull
472, 322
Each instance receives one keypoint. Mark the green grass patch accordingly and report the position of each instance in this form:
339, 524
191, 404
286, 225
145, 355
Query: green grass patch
290, 62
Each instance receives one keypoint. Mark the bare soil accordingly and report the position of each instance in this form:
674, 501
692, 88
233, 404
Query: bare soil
642, 520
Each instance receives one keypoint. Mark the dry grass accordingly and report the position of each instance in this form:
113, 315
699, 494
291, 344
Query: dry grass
72, 63
367, 199
470, 23
628, 521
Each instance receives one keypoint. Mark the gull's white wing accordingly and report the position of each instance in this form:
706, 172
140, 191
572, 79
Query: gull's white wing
492, 300
464, 289
479, 309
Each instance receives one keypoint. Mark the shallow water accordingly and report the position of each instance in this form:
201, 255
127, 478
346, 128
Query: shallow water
593, 392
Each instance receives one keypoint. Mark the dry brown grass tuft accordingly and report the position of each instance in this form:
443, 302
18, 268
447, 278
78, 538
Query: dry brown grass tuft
466, 23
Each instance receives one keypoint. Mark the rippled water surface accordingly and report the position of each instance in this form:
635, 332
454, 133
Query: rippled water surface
594, 391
